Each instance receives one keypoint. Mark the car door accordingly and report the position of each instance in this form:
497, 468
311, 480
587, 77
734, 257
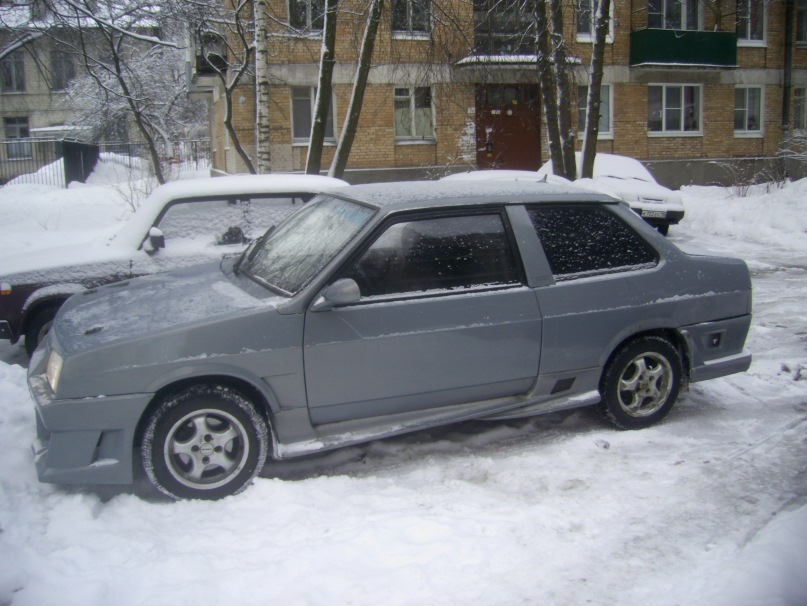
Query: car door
444, 318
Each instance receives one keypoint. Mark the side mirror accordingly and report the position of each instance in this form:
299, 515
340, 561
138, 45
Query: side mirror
341, 292
155, 241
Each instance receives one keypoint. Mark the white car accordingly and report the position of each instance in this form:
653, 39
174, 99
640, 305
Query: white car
180, 224
628, 180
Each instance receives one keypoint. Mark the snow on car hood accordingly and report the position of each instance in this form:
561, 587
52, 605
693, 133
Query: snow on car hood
151, 304
631, 190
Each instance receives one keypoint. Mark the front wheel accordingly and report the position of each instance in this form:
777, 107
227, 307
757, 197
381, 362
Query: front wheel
38, 328
205, 442
641, 383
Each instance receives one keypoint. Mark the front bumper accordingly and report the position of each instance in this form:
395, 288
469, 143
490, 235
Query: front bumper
659, 216
86, 441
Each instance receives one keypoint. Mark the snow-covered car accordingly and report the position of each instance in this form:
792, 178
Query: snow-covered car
377, 310
179, 224
627, 179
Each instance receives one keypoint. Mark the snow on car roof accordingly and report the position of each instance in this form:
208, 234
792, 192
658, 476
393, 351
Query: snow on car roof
455, 193
134, 229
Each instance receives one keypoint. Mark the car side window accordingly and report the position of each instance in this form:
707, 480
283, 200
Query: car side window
588, 240
225, 221
446, 253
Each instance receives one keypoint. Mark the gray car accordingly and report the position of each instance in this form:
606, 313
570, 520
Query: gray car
377, 310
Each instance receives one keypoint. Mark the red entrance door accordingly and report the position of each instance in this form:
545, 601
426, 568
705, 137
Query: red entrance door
508, 127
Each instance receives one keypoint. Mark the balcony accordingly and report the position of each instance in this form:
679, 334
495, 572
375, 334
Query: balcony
683, 48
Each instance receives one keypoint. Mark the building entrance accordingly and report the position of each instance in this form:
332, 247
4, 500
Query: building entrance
508, 127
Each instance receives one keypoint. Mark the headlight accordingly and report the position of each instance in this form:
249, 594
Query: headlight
54, 370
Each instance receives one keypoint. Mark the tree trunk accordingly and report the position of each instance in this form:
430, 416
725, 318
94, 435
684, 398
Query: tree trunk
262, 134
322, 104
549, 89
563, 77
593, 102
357, 97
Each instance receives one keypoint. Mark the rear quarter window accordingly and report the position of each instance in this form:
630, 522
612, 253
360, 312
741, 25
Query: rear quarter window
580, 241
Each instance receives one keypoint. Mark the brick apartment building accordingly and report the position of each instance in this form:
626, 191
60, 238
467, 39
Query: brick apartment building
454, 84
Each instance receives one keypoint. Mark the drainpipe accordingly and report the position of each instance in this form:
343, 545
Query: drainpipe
790, 6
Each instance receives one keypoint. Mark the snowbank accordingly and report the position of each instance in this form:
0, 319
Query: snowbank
708, 508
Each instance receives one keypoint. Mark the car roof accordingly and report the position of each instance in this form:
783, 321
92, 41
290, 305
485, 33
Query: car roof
132, 231
421, 194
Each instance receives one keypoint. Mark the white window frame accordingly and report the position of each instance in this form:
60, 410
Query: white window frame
801, 23
681, 26
312, 95
413, 139
608, 89
800, 108
16, 131
589, 36
676, 133
746, 133
744, 40
14, 62
409, 33
309, 15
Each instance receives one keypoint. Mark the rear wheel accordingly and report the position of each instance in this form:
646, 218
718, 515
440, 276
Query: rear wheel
641, 383
206, 442
38, 328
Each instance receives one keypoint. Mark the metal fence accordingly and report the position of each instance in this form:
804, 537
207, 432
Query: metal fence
60, 162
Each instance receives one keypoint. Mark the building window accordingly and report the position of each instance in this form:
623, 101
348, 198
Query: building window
673, 14
801, 22
586, 15
411, 17
604, 131
413, 113
674, 108
800, 108
302, 111
751, 21
748, 111
63, 70
307, 14
17, 128
502, 28
12, 73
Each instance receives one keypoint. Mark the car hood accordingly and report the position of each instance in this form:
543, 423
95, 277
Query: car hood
145, 306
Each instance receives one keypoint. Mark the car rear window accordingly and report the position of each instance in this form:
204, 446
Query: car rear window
586, 240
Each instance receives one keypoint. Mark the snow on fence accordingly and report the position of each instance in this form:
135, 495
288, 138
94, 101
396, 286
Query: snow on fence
60, 162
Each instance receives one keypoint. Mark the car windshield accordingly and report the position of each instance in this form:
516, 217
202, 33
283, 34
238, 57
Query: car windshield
291, 255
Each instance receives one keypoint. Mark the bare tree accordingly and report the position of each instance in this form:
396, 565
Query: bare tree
359, 87
262, 120
322, 103
601, 20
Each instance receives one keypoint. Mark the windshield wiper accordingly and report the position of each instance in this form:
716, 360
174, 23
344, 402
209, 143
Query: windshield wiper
249, 251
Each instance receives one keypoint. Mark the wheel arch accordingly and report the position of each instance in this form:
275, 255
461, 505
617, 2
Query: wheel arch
45, 298
239, 384
668, 334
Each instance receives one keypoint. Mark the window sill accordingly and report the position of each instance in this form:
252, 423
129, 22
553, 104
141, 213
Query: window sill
415, 142
752, 43
589, 38
402, 35
306, 142
746, 134
674, 133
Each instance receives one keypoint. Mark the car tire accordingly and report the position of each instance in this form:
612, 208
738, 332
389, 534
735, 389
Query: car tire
38, 328
205, 442
641, 383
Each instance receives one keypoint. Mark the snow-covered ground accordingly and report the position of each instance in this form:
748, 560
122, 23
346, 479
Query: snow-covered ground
708, 508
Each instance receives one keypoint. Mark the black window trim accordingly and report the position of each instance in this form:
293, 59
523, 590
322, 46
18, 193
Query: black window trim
598, 273
441, 213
